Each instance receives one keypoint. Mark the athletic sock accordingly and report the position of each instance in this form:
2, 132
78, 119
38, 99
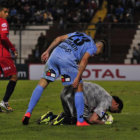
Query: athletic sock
79, 104
35, 98
9, 90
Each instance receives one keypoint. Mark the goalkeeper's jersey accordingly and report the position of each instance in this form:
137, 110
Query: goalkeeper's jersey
96, 99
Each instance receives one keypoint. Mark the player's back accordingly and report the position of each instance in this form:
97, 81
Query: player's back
94, 94
96, 99
79, 44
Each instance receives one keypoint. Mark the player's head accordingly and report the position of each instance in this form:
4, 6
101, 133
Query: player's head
100, 44
117, 105
4, 11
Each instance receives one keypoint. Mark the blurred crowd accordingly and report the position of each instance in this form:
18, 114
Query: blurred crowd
122, 11
43, 11
71, 11
65, 12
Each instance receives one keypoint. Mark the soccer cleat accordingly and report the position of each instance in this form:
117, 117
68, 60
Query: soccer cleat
84, 123
59, 119
26, 118
46, 118
6, 106
1, 110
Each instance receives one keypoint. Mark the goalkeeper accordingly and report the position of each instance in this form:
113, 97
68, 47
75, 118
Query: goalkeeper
97, 101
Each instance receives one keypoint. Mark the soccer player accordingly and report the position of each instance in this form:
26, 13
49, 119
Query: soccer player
97, 101
7, 65
70, 50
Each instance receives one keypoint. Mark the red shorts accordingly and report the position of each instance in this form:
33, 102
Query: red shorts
8, 67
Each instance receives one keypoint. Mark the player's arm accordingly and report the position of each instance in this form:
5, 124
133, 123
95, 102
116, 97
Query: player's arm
58, 40
81, 69
6, 42
95, 119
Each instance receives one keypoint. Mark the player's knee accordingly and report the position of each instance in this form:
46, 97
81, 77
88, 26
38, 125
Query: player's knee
43, 82
80, 88
14, 78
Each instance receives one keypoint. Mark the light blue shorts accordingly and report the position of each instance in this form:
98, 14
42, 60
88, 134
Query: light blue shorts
61, 63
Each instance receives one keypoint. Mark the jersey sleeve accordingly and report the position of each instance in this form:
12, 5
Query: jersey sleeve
92, 48
100, 110
6, 42
71, 34
4, 31
4, 28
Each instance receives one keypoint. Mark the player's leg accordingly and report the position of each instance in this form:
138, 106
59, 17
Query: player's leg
73, 105
49, 75
69, 71
67, 100
68, 117
12, 82
79, 104
10, 88
43, 83
0, 76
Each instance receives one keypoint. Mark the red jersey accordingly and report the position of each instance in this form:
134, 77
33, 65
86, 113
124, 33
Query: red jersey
5, 43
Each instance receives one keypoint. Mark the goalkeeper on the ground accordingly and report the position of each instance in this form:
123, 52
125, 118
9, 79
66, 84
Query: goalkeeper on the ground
97, 103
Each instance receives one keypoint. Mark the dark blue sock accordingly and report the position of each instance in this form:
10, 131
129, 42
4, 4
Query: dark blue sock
9, 90
35, 98
79, 104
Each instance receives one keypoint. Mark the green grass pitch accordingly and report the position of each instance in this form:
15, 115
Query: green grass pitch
126, 125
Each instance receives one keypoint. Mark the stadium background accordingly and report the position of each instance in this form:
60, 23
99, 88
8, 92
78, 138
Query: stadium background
34, 24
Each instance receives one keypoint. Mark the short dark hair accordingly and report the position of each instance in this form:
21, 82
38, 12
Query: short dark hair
3, 5
1, 8
120, 102
104, 45
102, 41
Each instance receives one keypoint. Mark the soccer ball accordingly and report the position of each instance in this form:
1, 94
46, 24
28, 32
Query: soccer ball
107, 118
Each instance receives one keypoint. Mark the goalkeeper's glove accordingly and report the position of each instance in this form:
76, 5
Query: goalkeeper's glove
109, 119
108, 122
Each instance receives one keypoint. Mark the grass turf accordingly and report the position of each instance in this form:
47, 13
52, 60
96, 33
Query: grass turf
126, 125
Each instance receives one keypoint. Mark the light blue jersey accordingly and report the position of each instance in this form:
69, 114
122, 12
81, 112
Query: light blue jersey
64, 58
79, 44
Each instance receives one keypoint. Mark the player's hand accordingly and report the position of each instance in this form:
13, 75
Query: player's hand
16, 54
75, 83
45, 56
